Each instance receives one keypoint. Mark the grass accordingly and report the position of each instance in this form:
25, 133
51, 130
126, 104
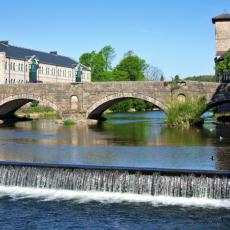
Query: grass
41, 112
69, 122
185, 114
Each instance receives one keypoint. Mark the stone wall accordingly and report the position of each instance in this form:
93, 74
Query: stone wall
222, 37
88, 100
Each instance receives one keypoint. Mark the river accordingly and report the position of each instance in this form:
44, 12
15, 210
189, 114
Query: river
125, 139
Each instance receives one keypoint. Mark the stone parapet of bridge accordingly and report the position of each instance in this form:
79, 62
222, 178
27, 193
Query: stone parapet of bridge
89, 100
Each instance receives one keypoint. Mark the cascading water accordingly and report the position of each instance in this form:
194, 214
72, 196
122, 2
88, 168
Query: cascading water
124, 181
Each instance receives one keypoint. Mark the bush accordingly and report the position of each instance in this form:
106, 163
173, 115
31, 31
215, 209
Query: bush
185, 114
69, 122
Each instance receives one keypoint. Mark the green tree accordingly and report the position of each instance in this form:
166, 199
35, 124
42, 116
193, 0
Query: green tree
133, 66
224, 65
108, 54
87, 59
177, 78
200, 78
100, 63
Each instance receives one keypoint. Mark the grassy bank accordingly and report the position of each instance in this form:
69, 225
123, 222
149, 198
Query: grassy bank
185, 114
38, 112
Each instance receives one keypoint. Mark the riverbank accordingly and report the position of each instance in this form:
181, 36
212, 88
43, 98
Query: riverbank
184, 114
37, 112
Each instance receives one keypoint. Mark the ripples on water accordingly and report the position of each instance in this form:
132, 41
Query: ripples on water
139, 139
25, 208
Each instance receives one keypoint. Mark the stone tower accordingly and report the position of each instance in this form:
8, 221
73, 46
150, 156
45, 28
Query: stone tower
222, 25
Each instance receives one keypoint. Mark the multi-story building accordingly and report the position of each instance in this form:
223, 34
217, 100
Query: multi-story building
222, 26
21, 65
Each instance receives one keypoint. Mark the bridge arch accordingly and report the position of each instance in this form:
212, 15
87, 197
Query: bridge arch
95, 111
215, 103
9, 105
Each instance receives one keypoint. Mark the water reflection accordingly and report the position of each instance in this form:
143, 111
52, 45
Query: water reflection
137, 139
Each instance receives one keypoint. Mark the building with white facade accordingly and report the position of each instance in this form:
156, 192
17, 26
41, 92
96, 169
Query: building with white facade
21, 65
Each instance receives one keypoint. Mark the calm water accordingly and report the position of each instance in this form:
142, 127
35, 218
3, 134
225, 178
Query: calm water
138, 139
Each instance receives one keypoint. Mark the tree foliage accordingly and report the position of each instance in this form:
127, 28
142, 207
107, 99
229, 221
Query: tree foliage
224, 65
99, 62
130, 68
133, 66
209, 78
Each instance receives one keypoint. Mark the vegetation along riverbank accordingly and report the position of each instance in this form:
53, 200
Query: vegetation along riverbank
184, 114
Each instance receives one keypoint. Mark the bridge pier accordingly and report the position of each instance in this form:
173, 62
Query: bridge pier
74, 115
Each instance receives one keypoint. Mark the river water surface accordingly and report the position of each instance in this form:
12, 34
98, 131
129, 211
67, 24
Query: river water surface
133, 139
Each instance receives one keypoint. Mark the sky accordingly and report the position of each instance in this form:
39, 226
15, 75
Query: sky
177, 36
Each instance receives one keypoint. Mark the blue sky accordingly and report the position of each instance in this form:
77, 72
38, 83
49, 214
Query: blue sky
174, 35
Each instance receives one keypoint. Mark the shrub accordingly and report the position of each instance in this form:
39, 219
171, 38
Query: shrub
69, 122
185, 114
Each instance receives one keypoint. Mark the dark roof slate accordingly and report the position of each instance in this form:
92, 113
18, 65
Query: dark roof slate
222, 17
46, 58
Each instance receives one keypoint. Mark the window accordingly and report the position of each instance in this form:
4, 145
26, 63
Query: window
22, 67
19, 67
26, 67
6, 65
47, 71
13, 66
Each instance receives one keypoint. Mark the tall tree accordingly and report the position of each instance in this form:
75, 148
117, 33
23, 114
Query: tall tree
87, 58
100, 63
133, 66
108, 54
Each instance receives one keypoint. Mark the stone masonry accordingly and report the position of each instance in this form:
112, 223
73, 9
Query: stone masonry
89, 100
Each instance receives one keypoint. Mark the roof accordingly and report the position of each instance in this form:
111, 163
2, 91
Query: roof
222, 17
51, 58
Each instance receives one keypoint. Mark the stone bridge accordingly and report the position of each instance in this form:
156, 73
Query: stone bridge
89, 100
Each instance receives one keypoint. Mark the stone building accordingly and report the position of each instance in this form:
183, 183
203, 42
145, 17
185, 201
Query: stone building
21, 65
222, 26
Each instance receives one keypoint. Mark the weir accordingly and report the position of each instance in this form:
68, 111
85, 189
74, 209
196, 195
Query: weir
150, 181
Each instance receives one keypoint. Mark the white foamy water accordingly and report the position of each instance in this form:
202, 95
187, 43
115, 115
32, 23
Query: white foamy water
17, 193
